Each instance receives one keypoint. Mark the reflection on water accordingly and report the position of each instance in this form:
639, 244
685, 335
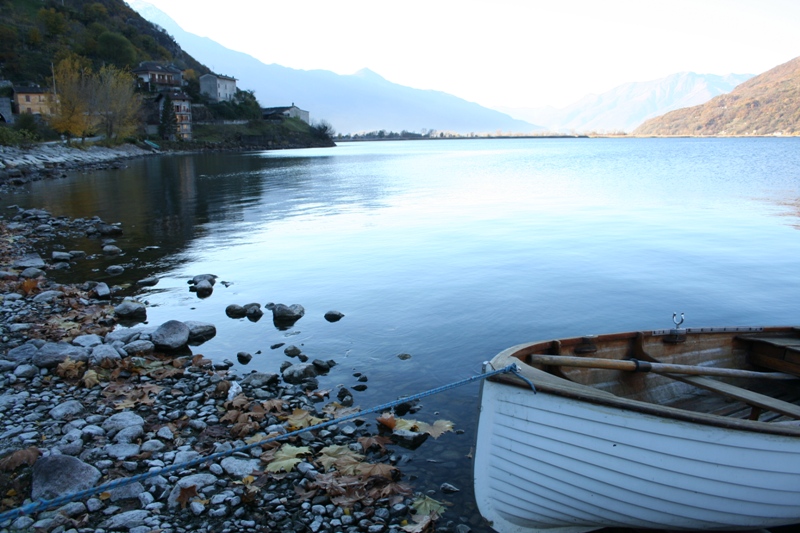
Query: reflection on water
451, 251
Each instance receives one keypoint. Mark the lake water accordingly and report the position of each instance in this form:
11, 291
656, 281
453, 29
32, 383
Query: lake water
451, 251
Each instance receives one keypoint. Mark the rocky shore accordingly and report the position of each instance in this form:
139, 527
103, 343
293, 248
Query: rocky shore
83, 403
21, 165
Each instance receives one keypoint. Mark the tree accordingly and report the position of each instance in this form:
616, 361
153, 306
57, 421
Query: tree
168, 123
117, 106
74, 87
116, 48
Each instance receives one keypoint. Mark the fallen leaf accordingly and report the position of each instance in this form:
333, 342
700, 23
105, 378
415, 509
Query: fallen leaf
330, 455
436, 429
421, 523
300, 418
427, 506
26, 456
376, 470
186, 494
388, 420
70, 369
286, 457
378, 440
90, 379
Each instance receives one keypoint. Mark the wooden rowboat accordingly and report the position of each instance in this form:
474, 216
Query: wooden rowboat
629, 430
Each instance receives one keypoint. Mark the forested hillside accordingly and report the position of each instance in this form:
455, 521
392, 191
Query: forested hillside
36, 34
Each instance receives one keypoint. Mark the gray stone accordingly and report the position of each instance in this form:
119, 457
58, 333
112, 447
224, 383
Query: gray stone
61, 256
102, 353
115, 270
56, 475
235, 311
259, 379
110, 249
333, 316
32, 273
203, 289
200, 332
239, 467
124, 335
101, 291
54, 353
26, 371
128, 434
299, 372
148, 282
22, 354
127, 492
292, 351
210, 278
87, 341
70, 408
131, 310
121, 420
171, 335
122, 451
30, 260
127, 520
47, 296
291, 312
140, 347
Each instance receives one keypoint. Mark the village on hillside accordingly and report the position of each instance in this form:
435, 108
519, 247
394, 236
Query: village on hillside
158, 83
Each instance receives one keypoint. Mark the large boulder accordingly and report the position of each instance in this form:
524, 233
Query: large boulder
284, 316
300, 372
54, 353
57, 475
171, 335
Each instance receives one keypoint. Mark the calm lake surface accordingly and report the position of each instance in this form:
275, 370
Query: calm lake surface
451, 251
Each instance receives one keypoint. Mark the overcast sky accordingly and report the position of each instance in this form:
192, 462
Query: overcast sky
508, 53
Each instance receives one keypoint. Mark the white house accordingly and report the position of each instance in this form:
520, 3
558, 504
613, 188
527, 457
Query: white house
289, 111
217, 87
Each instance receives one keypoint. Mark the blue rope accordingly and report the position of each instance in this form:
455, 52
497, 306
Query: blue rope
43, 504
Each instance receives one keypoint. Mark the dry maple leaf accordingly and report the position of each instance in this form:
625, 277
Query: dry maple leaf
70, 369
376, 470
286, 457
331, 455
378, 440
186, 494
300, 418
421, 523
436, 429
90, 379
26, 456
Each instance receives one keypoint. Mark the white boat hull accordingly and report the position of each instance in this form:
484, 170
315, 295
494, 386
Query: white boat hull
549, 463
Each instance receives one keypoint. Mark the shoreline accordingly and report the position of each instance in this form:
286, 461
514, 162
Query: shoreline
82, 399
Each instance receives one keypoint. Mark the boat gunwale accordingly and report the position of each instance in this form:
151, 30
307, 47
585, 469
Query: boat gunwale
546, 382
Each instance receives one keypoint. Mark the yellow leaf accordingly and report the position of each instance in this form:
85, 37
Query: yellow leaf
104, 495
408, 425
286, 457
11, 493
436, 429
301, 418
90, 379
427, 506
331, 455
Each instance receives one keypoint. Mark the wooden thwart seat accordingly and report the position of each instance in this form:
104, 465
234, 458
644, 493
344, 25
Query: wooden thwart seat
775, 353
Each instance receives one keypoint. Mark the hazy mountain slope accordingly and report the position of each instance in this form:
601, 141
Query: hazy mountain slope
626, 107
360, 102
767, 104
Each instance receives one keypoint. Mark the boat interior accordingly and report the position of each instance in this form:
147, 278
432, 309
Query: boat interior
747, 374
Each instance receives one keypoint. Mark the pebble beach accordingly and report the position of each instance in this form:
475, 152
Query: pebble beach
84, 402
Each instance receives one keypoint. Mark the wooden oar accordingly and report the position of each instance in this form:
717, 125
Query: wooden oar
635, 365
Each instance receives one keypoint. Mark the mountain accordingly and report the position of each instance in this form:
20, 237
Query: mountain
360, 102
767, 104
627, 106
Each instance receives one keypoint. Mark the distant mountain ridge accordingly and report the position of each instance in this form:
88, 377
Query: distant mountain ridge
355, 103
627, 106
768, 104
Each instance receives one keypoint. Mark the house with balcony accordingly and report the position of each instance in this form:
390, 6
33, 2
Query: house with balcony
218, 88
153, 76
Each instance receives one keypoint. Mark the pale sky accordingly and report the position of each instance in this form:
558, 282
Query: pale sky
504, 53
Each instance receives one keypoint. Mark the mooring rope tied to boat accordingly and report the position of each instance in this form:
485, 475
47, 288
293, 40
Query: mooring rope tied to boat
44, 504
